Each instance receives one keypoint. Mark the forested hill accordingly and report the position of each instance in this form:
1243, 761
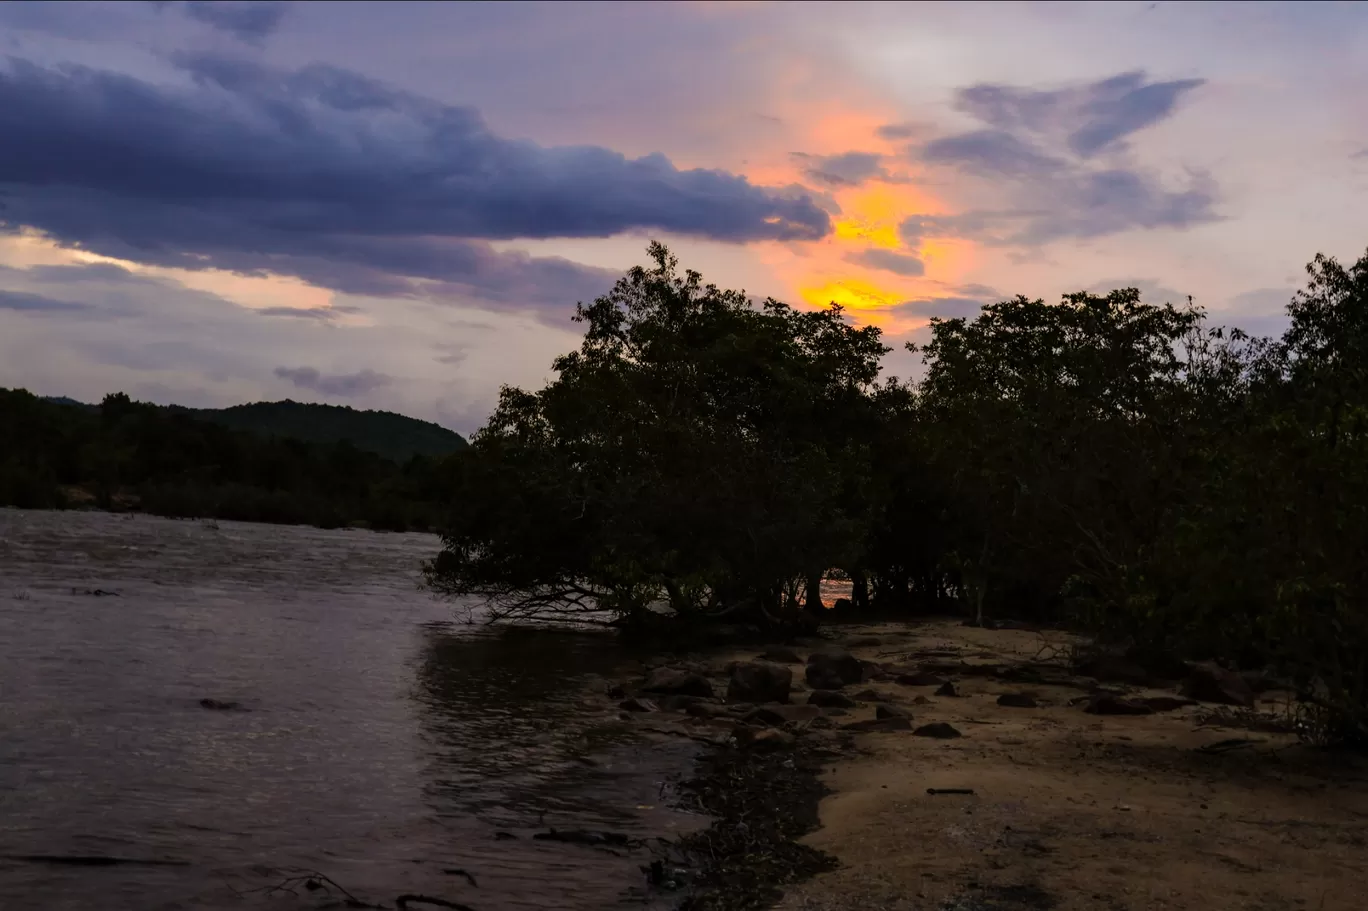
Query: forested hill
172, 461
385, 433
395, 436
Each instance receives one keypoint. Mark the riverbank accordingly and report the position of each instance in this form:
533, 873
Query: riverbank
1021, 791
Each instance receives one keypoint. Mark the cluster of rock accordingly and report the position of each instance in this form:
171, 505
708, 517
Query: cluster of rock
756, 703
759, 695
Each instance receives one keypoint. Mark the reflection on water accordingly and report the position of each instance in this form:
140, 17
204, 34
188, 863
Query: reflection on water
382, 744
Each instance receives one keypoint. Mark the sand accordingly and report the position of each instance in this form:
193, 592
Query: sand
1076, 811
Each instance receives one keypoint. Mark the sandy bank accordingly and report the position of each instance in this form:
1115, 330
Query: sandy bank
1072, 810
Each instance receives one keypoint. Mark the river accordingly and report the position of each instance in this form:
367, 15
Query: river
379, 742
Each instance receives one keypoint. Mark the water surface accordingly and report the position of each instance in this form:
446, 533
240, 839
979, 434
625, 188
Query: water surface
382, 743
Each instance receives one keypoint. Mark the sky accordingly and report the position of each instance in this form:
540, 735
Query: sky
397, 205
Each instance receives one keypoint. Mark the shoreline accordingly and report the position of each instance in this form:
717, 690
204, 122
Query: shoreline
1068, 808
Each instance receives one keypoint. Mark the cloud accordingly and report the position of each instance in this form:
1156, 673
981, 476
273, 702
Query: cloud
342, 181
21, 302
345, 385
1091, 117
322, 314
848, 169
896, 131
942, 307
251, 22
1041, 148
889, 261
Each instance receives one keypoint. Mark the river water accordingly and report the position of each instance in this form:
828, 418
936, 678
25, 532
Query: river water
380, 744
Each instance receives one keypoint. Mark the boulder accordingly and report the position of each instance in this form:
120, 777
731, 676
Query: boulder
780, 715
940, 730
947, 689
1212, 683
781, 656
759, 681
674, 681
1017, 701
833, 670
891, 711
830, 699
870, 696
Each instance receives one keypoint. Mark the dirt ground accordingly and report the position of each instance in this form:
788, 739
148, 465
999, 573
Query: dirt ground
1077, 811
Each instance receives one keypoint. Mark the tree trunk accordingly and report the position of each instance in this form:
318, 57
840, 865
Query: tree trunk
813, 597
859, 591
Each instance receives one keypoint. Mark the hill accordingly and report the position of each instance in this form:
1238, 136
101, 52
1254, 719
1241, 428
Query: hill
173, 461
397, 437
385, 433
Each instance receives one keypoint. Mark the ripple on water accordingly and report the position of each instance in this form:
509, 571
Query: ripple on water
380, 743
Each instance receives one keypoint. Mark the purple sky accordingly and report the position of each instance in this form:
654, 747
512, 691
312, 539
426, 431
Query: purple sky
398, 205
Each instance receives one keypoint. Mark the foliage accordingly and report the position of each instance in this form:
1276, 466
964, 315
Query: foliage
1171, 486
697, 450
128, 454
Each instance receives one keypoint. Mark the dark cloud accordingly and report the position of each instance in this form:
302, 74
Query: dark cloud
1039, 147
345, 385
340, 180
943, 307
1092, 116
992, 153
889, 261
321, 314
896, 131
247, 21
37, 303
848, 169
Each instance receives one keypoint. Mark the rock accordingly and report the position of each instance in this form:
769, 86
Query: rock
705, 710
940, 730
947, 689
870, 696
833, 670
759, 681
1212, 683
831, 699
768, 740
879, 724
919, 679
616, 692
1111, 704
891, 711
821, 723
865, 642
673, 681
871, 670
1166, 703
781, 656
780, 715
921, 700
221, 706
680, 703
1017, 701
638, 705
1114, 669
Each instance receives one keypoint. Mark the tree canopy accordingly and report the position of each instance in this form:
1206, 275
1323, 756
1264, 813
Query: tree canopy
1125, 466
